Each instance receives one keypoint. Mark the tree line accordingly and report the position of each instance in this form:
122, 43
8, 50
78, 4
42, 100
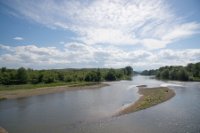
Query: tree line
24, 76
191, 72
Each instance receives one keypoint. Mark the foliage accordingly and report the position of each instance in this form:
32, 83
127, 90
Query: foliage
30, 76
94, 76
111, 75
42, 85
128, 70
190, 72
149, 72
22, 76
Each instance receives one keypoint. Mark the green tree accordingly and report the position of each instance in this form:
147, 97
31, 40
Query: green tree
34, 77
189, 67
68, 78
111, 75
158, 74
128, 70
22, 76
182, 74
173, 74
5, 78
3, 69
61, 76
98, 74
93, 76
49, 77
164, 74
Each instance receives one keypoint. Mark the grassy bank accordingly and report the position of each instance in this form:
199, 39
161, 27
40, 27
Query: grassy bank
19, 91
35, 86
149, 98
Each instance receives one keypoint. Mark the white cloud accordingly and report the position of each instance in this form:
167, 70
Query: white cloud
4, 47
107, 36
18, 38
182, 30
154, 43
150, 23
81, 55
104, 31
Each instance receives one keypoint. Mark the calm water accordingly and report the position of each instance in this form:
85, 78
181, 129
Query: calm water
90, 111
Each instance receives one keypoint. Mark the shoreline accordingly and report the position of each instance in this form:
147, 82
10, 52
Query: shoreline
6, 94
150, 97
2, 130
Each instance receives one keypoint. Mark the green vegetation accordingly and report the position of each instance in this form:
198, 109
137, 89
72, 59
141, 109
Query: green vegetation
12, 79
191, 72
151, 97
42, 85
26, 90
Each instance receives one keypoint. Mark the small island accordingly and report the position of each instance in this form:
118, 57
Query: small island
149, 98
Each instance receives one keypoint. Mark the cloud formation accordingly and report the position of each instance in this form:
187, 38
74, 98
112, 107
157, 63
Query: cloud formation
18, 38
108, 33
81, 55
152, 24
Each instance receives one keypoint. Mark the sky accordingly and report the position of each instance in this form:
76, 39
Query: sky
145, 34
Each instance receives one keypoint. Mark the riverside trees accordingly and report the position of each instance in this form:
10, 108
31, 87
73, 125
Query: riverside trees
190, 72
23, 76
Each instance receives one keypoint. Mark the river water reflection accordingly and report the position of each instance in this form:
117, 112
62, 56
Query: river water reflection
90, 111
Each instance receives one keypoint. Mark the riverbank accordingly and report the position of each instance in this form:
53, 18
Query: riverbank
2, 130
21, 93
150, 97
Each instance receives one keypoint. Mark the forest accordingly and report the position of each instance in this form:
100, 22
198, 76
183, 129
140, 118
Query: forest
191, 72
30, 76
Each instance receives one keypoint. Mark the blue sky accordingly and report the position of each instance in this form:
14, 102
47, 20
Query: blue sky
100, 33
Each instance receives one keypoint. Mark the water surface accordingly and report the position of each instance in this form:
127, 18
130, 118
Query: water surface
90, 111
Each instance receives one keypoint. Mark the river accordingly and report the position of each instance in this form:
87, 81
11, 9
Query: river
90, 111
